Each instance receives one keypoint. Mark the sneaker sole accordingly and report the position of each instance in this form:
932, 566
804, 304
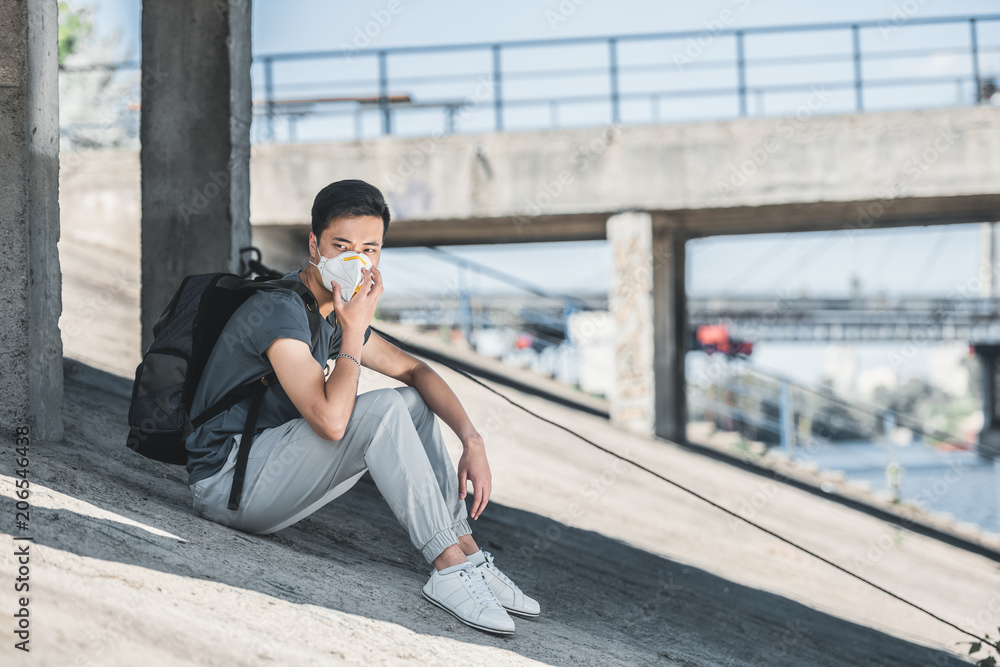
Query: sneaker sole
521, 613
467, 622
516, 612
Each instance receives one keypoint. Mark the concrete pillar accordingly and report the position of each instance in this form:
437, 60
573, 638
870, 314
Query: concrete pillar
988, 260
630, 300
647, 304
31, 379
195, 134
989, 437
670, 330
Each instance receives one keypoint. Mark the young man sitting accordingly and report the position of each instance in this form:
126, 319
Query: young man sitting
317, 436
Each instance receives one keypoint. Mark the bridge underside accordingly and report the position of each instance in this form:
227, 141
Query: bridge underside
777, 218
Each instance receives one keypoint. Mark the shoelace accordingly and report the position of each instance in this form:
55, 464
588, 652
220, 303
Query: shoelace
480, 589
496, 571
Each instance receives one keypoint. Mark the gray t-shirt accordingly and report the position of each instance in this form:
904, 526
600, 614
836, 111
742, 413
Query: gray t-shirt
237, 358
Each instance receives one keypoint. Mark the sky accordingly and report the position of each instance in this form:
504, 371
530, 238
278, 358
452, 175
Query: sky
919, 260
293, 25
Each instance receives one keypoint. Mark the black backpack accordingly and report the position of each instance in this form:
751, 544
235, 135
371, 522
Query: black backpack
159, 414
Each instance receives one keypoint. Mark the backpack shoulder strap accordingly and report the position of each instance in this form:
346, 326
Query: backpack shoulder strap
243, 455
232, 398
312, 307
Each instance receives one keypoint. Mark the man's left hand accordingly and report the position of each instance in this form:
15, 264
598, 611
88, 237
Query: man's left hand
474, 467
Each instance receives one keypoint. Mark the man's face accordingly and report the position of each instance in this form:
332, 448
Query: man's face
361, 234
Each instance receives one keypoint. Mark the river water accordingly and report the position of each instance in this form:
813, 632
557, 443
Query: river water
959, 482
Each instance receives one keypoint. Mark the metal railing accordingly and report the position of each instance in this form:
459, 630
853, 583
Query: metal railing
651, 77
777, 410
414, 92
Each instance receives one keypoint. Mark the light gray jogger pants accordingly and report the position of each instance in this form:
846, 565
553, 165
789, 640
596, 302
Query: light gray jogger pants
292, 472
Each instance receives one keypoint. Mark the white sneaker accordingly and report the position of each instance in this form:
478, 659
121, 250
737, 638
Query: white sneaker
510, 596
465, 594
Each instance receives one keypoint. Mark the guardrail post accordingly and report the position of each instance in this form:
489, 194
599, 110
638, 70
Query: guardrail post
465, 305
888, 423
787, 418
856, 33
269, 96
449, 119
613, 72
741, 73
497, 94
893, 471
975, 60
383, 91
569, 307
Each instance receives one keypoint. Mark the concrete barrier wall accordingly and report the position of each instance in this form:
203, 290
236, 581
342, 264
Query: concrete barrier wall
804, 159
99, 256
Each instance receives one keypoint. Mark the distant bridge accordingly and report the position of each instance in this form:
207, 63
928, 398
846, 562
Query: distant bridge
754, 318
805, 319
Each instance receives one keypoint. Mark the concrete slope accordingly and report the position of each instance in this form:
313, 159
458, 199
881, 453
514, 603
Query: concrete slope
628, 570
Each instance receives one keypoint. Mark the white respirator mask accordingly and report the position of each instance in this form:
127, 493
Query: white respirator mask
345, 270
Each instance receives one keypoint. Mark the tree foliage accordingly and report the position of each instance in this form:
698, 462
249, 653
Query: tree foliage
73, 27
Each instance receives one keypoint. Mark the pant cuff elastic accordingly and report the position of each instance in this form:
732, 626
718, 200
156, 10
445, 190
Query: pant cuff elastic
461, 527
441, 541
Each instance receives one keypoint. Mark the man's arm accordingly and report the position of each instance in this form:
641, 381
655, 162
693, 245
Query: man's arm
325, 403
384, 357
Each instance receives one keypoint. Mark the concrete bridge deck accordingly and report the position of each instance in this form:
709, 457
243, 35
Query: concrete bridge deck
731, 177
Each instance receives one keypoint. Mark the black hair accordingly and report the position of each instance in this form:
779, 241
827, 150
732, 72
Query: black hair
350, 197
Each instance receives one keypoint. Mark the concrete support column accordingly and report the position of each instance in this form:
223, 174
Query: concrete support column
647, 305
195, 133
630, 300
31, 376
989, 437
670, 330
988, 260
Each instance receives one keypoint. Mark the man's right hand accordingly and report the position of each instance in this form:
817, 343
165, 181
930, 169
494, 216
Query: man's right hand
356, 315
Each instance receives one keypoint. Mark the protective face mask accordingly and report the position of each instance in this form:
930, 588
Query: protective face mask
345, 270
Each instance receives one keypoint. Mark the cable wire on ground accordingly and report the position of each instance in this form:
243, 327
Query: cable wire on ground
401, 344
